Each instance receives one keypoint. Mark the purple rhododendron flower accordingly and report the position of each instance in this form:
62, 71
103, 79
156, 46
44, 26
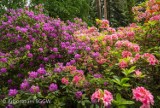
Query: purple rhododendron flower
40, 49
95, 54
34, 89
41, 71
45, 59
4, 60
33, 74
53, 87
30, 55
12, 92
77, 56
9, 81
55, 49
72, 62
27, 47
24, 85
97, 75
78, 94
68, 64
88, 49
57, 70
9, 106
3, 70
105, 83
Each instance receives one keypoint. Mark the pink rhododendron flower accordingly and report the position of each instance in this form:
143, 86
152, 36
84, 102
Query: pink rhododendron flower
107, 99
136, 48
76, 79
64, 81
110, 29
126, 54
150, 58
156, 18
105, 96
137, 56
104, 23
138, 73
96, 96
101, 61
130, 34
144, 96
127, 44
123, 64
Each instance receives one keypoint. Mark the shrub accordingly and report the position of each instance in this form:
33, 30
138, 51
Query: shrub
72, 65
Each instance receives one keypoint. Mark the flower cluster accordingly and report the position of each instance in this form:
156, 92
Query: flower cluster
128, 45
144, 96
150, 58
149, 13
104, 96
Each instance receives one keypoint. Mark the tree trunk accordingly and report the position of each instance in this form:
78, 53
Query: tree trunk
98, 3
105, 9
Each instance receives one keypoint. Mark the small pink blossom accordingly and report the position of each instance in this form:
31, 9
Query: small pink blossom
107, 99
150, 58
137, 56
104, 96
104, 24
136, 48
156, 18
96, 96
76, 79
138, 73
64, 81
144, 96
123, 64
126, 54
101, 61
130, 34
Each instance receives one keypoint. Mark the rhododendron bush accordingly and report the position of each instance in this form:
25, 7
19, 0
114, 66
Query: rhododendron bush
73, 65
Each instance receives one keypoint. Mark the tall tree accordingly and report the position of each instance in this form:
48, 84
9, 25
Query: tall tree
65, 9
105, 9
98, 3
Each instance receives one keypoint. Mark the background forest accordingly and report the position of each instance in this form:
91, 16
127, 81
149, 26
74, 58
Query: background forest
118, 12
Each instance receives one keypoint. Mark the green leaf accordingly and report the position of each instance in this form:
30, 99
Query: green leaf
124, 80
126, 72
83, 103
122, 106
118, 97
97, 106
39, 95
126, 85
34, 97
116, 80
125, 102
